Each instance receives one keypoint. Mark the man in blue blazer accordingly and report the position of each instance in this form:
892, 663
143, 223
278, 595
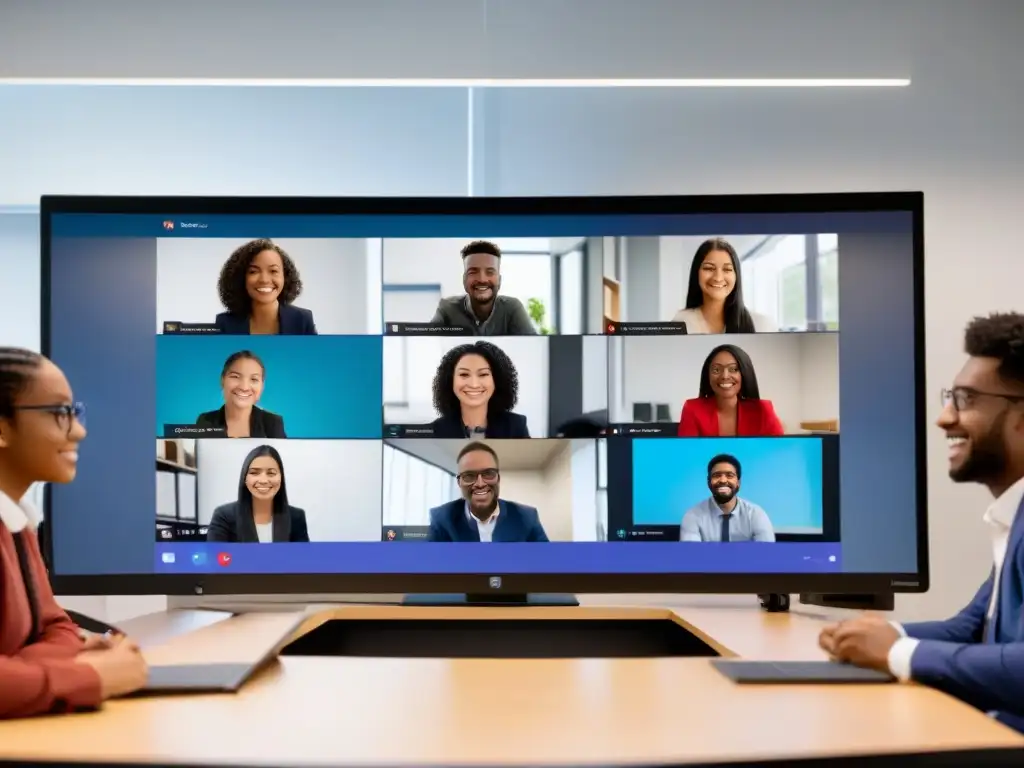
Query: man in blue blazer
977, 655
480, 515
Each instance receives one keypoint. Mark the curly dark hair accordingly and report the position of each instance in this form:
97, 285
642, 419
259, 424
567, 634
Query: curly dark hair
503, 371
1000, 336
480, 246
231, 285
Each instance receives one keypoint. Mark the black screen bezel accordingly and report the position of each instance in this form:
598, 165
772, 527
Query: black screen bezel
709, 583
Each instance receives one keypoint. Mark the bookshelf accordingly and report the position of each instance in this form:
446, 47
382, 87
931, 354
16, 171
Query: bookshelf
177, 497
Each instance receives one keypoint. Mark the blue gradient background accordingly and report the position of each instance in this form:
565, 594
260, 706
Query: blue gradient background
326, 387
103, 307
780, 474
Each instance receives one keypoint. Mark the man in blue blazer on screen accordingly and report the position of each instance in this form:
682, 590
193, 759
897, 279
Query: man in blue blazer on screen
480, 515
977, 655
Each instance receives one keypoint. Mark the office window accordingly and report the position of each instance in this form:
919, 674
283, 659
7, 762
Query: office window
412, 487
19, 263
828, 279
775, 280
570, 293
602, 490
527, 276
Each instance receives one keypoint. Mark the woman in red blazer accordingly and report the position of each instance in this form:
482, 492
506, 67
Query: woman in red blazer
730, 402
46, 665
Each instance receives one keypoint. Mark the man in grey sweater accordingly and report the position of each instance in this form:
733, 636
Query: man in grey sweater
481, 311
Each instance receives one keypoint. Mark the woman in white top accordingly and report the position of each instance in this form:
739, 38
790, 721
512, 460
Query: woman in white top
714, 297
262, 514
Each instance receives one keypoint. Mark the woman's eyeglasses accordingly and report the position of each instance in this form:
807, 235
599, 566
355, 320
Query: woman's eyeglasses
66, 414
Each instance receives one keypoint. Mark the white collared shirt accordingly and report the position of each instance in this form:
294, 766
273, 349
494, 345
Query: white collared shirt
999, 518
17, 516
486, 527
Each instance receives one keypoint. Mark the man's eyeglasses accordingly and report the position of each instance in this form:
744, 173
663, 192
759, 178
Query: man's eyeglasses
962, 398
66, 414
470, 478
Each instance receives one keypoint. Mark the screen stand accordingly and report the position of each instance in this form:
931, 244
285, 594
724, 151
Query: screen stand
885, 601
775, 602
492, 601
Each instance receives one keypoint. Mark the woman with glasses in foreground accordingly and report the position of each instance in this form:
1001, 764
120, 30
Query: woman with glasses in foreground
46, 664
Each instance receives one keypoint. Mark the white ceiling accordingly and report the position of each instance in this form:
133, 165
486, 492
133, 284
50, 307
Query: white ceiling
497, 38
513, 455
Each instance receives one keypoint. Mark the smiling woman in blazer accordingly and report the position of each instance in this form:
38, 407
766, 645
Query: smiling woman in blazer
730, 401
241, 381
262, 514
257, 286
475, 389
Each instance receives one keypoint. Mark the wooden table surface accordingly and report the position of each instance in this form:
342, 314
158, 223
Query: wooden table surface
319, 711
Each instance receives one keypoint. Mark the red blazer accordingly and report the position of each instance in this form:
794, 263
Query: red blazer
41, 677
755, 418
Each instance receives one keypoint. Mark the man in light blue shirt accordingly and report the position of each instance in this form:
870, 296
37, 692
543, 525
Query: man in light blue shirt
725, 516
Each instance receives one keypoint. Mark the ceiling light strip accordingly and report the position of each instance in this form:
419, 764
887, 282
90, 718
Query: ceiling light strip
751, 82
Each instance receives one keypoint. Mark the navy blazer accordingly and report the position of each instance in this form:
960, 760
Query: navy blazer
504, 425
981, 662
516, 523
261, 423
227, 525
294, 321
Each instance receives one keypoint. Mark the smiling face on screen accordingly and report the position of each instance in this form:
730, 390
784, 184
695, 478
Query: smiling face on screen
724, 376
717, 276
264, 278
263, 479
723, 482
242, 382
473, 381
480, 482
481, 278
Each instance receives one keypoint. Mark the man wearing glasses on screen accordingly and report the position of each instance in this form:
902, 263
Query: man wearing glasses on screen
481, 515
725, 516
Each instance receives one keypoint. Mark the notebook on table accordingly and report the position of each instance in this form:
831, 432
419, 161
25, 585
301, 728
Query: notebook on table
778, 672
197, 678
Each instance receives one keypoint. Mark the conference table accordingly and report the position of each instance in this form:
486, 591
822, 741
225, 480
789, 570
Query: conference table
302, 710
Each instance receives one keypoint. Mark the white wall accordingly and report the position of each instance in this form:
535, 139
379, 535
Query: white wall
595, 373
798, 372
410, 364
334, 273
587, 501
234, 141
559, 480
819, 376
334, 481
